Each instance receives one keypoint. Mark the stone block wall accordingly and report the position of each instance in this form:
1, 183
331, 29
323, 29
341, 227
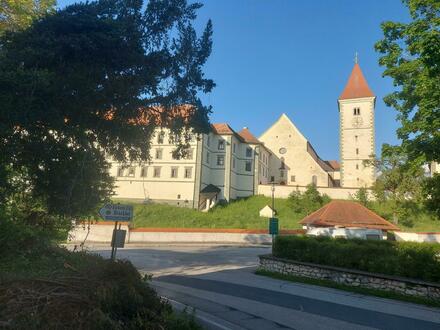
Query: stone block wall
351, 277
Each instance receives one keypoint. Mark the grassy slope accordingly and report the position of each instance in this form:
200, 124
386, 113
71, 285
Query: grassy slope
242, 214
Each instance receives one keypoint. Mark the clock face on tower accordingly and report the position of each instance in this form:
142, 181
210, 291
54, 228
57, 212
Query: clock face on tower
356, 121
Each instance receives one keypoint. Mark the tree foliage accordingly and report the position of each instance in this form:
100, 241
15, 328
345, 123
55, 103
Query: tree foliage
307, 202
411, 55
92, 82
399, 182
17, 15
361, 196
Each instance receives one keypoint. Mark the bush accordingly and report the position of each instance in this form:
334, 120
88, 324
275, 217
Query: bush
307, 202
407, 259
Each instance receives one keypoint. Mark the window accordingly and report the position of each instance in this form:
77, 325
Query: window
283, 166
221, 145
357, 166
272, 179
357, 151
160, 137
356, 138
158, 153
314, 180
356, 111
233, 162
188, 172
292, 178
248, 166
207, 157
233, 148
281, 174
131, 171
156, 172
248, 152
208, 141
190, 154
174, 172
144, 171
220, 160
120, 171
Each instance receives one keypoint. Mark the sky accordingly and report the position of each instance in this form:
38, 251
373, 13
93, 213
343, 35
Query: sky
294, 56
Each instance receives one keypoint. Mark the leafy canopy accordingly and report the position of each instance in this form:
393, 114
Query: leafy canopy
17, 15
74, 85
307, 202
411, 55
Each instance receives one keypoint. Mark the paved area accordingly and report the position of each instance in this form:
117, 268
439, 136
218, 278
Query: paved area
220, 284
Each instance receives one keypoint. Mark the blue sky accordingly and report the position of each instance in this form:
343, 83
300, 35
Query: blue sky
295, 56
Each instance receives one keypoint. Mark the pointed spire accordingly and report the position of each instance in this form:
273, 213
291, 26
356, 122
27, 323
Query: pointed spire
357, 86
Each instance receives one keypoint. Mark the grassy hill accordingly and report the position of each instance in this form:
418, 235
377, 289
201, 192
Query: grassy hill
243, 214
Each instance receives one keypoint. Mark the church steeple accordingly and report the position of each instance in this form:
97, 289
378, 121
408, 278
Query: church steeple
357, 86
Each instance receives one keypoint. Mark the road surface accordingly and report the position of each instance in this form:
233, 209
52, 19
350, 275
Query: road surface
220, 284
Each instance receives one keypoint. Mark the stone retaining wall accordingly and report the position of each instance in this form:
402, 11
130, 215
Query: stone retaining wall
351, 277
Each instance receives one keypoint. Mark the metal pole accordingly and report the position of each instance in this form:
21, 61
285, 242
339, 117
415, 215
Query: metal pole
273, 199
113, 255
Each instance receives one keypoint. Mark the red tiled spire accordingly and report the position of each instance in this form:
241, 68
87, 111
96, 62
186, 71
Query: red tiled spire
357, 85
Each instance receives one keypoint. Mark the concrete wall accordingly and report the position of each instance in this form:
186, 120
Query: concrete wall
417, 237
285, 191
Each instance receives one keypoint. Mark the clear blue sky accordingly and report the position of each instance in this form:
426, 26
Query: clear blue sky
295, 56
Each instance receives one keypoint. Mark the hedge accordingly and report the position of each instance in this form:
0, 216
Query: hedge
407, 259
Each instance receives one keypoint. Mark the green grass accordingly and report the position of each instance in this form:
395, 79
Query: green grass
365, 291
244, 214
241, 214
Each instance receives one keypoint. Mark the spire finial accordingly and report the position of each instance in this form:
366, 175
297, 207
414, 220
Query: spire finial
356, 60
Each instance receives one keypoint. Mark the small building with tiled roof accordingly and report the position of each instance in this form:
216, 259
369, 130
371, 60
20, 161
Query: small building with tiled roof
348, 215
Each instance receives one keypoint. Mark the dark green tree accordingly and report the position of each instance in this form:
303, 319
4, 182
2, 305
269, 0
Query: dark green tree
399, 183
307, 202
411, 55
361, 196
93, 81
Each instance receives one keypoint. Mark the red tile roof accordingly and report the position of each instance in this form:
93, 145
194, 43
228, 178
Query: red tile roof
347, 214
357, 85
248, 137
222, 129
334, 164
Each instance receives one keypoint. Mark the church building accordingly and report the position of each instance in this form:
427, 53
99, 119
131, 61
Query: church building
225, 164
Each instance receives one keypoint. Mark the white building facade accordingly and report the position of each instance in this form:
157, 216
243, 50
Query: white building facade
226, 165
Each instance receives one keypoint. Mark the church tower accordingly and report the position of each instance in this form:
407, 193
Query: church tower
356, 129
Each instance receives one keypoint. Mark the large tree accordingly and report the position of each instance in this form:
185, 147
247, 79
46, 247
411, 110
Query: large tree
16, 15
93, 81
411, 55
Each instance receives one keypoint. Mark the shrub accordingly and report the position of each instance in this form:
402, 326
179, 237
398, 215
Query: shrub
407, 259
309, 201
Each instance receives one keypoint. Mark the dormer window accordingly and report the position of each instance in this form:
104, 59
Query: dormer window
356, 111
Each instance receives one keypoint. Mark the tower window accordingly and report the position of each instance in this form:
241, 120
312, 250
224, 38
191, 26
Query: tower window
356, 111
357, 151
357, 166
356, 138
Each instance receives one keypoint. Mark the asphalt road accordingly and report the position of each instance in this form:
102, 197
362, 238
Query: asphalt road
220, 284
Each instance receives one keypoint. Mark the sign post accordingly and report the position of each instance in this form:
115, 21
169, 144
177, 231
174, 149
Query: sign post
273, 229
116, 213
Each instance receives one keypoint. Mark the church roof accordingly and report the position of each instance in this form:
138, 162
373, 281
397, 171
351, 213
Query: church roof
334, 164
347, 214
248, 137
357, 86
